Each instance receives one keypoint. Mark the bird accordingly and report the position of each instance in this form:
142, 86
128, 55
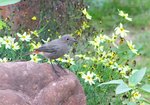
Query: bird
56, 48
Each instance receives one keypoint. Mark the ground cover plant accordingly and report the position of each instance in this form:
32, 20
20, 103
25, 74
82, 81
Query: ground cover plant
104, 63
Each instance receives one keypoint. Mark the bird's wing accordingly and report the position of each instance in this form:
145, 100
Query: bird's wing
50, 48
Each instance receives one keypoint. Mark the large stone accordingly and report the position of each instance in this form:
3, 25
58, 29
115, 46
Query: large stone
29, 83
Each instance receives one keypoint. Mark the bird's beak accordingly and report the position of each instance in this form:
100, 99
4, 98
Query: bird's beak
75, 41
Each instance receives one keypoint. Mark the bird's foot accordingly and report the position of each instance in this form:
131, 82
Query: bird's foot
60, 66
56, 72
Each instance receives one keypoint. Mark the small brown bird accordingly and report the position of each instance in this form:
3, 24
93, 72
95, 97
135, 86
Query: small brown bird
56, 48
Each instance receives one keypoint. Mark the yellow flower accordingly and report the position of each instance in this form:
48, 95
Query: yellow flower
24, 37
15, 46
78, 32
85, 25
103, 38
34, 45
86, 14
99, 39
113, 40
35, 33
121, 31
108, 62
114, 66
35, 58
66, 55
49, 30
123, 73
123, 70
68, 60
82, 56
132, 47
89, 77
97, 78
3, 59
34, 18
7, 41
46, 41
84, 66
135, 95
124, 15
59, 59
96, 42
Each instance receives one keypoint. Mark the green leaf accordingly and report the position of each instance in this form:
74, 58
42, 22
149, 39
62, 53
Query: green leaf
8, 2
112, 82
136, 77
2, 24
122, 88
131, 103
146, 88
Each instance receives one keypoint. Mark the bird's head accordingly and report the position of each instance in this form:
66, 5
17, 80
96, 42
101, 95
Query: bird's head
68, 39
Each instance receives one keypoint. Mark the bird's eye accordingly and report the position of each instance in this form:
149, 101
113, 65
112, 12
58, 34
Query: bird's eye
67, 38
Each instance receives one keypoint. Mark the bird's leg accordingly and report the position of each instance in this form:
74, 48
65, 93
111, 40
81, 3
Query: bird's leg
54, 69
58, 64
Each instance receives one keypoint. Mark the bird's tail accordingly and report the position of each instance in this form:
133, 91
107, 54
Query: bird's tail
33, 52
29, 53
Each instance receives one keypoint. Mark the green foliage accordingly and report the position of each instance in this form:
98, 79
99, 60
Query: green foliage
133, 80
2, 24
136, 77
104, 12
109, 60
146, 87
58, 18
112, 82
8, 2
122, 88
131, 103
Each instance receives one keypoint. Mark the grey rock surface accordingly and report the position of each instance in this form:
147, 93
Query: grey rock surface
29, 83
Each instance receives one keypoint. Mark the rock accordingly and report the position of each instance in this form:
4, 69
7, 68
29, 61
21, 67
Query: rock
29, 83
54, 14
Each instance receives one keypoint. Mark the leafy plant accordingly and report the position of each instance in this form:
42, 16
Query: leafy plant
131, 83
2, 24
